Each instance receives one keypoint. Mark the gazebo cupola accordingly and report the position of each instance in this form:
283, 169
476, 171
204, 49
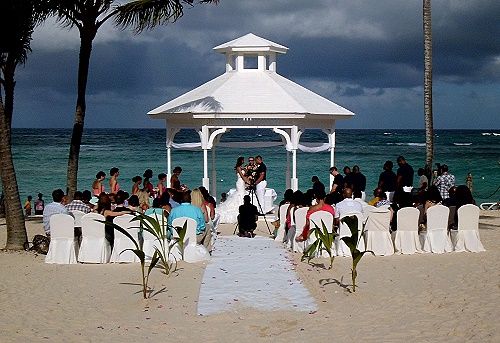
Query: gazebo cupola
249, 95
241, 52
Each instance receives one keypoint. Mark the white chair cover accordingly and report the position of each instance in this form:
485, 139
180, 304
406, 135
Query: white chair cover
466, 238
122, 242
300, 222
377, 235
95, 247
436, 238
280, 236
63, 248
366, 210
315, 219
341, 248
78, 217
406, 240
193, 252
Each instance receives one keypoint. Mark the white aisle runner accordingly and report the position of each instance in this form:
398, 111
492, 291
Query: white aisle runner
251, 272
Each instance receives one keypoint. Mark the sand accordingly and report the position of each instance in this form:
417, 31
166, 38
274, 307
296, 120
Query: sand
453, 297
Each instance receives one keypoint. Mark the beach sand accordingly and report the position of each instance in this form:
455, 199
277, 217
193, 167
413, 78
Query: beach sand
452, 297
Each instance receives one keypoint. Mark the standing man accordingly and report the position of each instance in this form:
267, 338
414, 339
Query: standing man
338, 181
318, 186
56, 207
405, 173
261, 182
444, 182
387, 179
358, 180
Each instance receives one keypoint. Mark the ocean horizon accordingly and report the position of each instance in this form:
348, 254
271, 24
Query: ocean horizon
40, 157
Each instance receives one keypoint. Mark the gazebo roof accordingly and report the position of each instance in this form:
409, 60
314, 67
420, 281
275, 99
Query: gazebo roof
258, 93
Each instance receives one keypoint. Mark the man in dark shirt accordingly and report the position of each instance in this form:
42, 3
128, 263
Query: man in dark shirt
387, 179
338, 181
347, 177
358, 180
261, 182
405, 173
317, 185
247, 218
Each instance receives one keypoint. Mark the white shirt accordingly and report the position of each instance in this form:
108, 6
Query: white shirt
347, 205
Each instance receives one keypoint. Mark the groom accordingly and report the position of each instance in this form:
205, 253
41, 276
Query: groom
261, 182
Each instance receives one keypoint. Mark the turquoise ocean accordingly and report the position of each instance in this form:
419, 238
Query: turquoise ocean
40, 157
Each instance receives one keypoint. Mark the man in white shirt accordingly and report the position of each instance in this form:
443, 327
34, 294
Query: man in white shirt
55, 207
347, 205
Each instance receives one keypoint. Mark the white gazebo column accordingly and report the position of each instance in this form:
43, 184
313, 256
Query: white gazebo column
214, 173
294, 138
204, 136
171, 132
331, 142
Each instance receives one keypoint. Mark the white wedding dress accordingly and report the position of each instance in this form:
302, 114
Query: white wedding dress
229, 209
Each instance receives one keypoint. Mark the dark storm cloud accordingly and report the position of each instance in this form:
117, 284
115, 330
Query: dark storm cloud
365, 55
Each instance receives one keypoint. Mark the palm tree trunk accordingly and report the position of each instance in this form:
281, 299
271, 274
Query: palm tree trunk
86, 38
429, 126
16, 228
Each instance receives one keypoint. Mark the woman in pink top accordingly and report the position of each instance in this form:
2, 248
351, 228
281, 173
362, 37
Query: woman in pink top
97, 184
113, 183
320, 206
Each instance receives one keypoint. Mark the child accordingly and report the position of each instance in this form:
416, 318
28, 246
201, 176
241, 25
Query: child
27, 206
39, 205
223, 197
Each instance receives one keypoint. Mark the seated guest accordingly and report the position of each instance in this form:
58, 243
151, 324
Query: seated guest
463, 196
401, 199
133, 203
156, 208
87, 196
376, 194
104, 208
357, 196
143, 199
185, 209
55, 207
223, 197
77, 204
320, 206
347, 205
173, 197
383, 200
451, 201
120, 198
198, 201
247, 218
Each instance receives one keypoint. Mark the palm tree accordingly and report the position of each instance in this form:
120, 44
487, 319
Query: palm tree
429, 126
17, 22
88, 16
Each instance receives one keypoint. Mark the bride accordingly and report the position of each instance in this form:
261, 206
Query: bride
229, 209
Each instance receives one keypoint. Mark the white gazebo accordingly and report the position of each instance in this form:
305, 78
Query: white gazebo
249, 95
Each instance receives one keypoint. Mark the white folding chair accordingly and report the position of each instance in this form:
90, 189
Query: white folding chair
319, 218
300, 222
341, 248
122, 242
193, 252
466, 238
436, 238
280, 235
377, 235
63, 248
94, 248
405, 238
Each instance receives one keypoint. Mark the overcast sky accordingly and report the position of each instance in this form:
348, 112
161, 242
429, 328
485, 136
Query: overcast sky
365, 55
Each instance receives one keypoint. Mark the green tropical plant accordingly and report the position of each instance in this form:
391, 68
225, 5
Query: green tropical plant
88, 16
18, 19
181, 233
160, 229
352, 243
324, 242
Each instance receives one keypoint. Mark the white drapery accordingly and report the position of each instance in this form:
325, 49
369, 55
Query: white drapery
247, 145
